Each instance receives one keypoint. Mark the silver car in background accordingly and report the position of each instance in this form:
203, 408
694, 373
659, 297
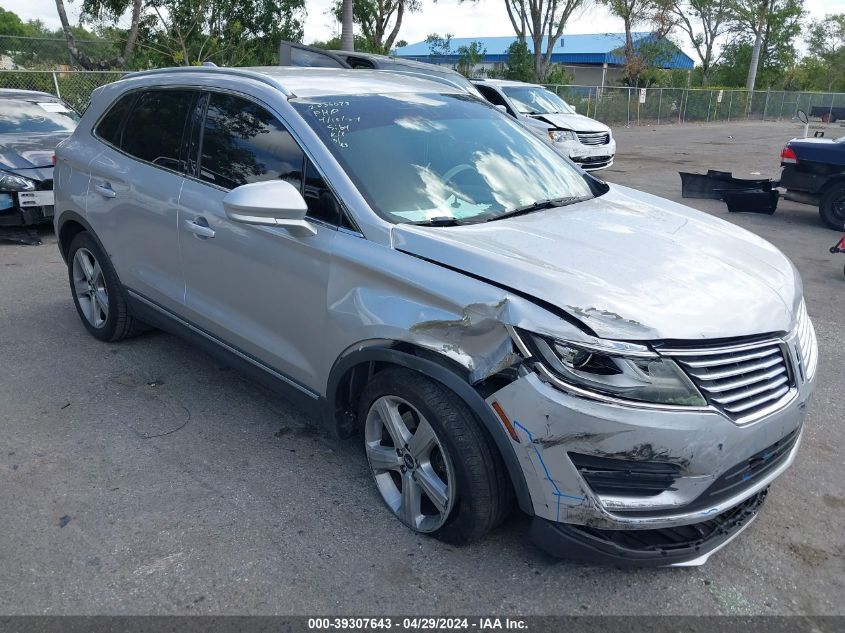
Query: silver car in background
588, 142
419, 271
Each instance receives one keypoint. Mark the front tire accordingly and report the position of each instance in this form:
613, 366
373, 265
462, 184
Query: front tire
97, 293
432, 463
832, 206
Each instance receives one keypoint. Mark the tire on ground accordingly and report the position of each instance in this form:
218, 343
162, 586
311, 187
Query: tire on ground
485, 494
833, 194
119, 324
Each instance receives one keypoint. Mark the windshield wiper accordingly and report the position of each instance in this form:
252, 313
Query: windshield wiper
539, 205
440, 220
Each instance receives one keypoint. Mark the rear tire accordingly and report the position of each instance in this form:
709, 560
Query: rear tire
97, 292
454, 474
832, 206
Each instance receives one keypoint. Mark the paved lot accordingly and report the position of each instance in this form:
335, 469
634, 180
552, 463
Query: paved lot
145, 477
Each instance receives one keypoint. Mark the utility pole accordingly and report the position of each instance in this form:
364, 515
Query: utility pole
758, 43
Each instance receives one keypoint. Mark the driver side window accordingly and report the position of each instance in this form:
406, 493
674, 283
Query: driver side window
244, 143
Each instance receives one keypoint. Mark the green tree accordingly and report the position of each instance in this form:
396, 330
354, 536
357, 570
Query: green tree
469, 57
657, 14
227, 32
520, 63
113, 8
379, 21
543, 21
826, 47
184, 32
773, 26
439, 46
704, 22
558, 75
11, 24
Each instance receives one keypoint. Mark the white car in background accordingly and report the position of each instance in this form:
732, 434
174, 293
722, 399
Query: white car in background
586, 141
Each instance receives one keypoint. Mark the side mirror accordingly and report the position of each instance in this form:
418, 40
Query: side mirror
269, 203
501, 108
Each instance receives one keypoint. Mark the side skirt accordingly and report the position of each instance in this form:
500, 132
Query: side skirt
303, 398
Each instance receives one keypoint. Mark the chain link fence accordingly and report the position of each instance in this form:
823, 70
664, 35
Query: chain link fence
51, 53
75, 87
611, 105
659, 106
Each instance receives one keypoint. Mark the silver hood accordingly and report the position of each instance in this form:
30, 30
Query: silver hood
629, 265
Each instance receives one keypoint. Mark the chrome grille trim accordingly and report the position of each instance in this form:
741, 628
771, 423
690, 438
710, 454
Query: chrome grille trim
593, 138
745, 381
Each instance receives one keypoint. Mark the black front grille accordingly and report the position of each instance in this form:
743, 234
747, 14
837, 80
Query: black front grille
593, 162
731, 482
625, 478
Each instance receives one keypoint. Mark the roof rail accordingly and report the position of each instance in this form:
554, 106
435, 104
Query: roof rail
238, 72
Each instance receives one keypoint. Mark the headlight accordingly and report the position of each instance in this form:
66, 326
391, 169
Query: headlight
11, 182
637, 374
559, 136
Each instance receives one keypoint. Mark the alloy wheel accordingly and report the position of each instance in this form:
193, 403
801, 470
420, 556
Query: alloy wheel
89, 286
412, 470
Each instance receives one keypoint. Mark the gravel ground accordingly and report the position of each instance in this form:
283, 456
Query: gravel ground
147, 478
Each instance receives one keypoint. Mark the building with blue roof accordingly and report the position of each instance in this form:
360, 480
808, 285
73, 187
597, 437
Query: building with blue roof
595, 59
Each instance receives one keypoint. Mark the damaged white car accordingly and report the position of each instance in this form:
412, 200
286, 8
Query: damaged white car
495, 325
589, 143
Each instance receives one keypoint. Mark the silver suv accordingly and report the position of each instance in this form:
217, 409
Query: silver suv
420, 271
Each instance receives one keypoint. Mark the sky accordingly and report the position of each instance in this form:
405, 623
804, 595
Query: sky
468, 19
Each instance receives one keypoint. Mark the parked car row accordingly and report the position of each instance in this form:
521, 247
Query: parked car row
425, 273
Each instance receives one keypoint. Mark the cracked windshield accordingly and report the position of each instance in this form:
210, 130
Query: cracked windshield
424, 157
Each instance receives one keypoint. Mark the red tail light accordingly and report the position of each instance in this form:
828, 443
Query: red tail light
788, 156
54, 160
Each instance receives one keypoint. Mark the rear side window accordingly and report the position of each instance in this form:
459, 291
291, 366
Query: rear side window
110, 126
153, 129
242, 143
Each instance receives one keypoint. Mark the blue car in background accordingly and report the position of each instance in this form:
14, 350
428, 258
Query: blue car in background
814, 173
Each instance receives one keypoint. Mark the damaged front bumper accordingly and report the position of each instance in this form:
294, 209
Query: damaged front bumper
683, 546
642, 485
25, 208
589, 157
